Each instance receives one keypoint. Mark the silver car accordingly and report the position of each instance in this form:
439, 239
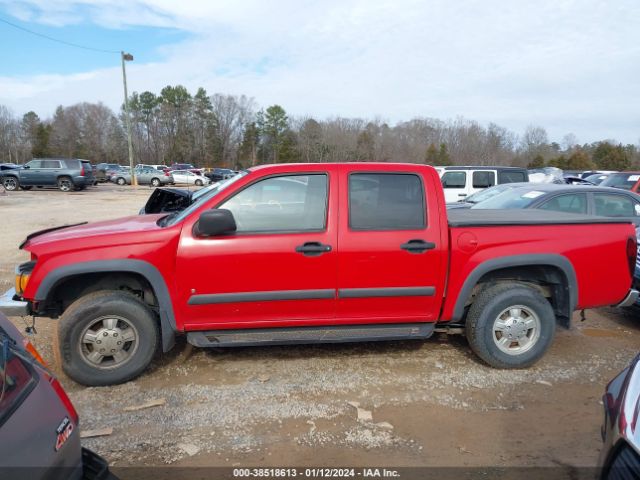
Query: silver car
620, 456
39, 429
144, 176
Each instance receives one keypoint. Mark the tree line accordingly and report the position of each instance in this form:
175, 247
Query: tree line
175, 126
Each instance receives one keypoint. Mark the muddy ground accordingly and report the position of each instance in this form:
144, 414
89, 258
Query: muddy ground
432, 402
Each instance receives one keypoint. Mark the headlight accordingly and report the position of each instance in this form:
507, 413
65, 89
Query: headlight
23, 273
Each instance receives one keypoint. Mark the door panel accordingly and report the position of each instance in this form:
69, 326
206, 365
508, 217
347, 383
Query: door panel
392, 256
278, 269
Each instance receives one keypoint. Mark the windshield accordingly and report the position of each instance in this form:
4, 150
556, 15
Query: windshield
621, 180
515, 198
198, 199
487, 193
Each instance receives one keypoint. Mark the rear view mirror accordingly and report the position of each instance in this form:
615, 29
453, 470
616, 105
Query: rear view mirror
218, 221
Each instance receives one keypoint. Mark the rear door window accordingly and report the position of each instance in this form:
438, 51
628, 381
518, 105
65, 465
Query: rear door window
50, 164
570, 203
609, 205
484, 179
454, 179
510, 176
386, 201
17, 379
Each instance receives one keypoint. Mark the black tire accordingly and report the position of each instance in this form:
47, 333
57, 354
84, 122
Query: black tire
27, 188
11, 183
487, 314
121, 181
199, 183
78, 323
65, 184
155, 182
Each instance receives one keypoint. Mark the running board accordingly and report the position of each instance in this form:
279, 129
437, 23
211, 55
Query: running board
302, 335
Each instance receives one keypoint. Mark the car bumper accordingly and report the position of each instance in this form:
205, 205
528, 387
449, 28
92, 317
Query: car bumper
94, 467
11, 307
630, 299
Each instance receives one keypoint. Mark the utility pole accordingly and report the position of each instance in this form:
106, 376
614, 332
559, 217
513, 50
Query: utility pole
127, 57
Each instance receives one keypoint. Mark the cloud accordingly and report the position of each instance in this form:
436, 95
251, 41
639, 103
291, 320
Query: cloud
570, 66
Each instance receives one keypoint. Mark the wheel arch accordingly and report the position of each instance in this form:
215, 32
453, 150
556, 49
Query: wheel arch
551, 270
123, 267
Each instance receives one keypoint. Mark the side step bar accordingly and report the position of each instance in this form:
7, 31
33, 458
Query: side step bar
305, 335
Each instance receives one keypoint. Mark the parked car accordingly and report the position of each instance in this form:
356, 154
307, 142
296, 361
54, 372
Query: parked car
185, 166
624, 180
581, 199
39, 427
65, 173
589, 173
407, 268
167, 200
103, 171
187, 177
460, 182
219, 174
620, 455
144, 176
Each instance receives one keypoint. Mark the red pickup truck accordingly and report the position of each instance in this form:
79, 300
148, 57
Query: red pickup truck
310, 253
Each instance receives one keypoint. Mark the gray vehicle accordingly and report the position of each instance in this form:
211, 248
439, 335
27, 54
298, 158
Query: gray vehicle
620, 455
582, 199
144, 176
39, 434
66, 174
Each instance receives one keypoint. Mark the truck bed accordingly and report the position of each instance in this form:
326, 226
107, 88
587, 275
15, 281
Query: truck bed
480, 217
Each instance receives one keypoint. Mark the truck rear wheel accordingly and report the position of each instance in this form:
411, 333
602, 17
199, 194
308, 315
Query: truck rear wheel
106, 338
510, 326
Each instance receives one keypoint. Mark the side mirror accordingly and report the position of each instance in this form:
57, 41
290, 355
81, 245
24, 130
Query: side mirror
26, 167
218, 221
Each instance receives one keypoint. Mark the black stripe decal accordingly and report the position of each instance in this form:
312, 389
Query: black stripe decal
386, 292
208, 299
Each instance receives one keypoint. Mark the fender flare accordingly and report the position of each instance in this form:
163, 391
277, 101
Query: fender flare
147, 270
545, 259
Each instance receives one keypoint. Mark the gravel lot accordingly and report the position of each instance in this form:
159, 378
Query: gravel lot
432, 402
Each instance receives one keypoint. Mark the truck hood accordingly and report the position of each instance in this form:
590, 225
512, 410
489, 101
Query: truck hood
136, 223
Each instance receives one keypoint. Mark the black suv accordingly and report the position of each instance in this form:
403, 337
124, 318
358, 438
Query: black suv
65, 173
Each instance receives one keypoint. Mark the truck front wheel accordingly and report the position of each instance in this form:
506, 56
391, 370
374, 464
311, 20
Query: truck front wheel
510, 326
106, 338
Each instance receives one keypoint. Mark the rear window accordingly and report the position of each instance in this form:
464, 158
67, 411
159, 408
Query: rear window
621, 180
17, 379
484, 179
609, 205
386, 201
511, 176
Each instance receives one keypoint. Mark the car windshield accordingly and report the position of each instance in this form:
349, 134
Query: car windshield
488, 193
177, 217
621, 180
515, 198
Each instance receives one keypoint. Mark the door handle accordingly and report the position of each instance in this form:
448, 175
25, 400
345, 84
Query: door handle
417, 246
462, 194
313, 248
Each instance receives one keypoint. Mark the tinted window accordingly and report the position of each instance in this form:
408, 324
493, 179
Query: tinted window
50, 164
512, 176
34, 164
16, 380
483, 179
609, 205
454, 179
386, 201
288, 203
570, 203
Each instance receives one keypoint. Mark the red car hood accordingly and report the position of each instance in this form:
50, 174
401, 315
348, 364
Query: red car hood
136, 223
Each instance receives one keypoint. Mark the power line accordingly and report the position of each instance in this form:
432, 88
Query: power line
70, 44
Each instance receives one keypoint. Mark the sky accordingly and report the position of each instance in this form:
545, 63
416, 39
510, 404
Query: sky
568, 66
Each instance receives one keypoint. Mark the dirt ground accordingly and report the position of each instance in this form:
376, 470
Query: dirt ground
432, 402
